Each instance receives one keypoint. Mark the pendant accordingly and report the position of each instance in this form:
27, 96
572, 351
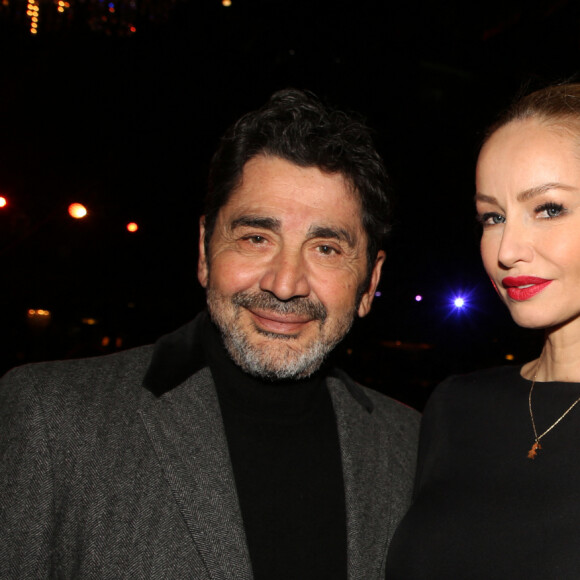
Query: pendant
534, 450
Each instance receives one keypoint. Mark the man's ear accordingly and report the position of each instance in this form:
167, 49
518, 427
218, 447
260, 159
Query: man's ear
366, 300
202, 266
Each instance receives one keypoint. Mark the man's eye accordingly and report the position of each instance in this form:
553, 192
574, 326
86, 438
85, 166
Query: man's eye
491, 219
255, 239
327, 250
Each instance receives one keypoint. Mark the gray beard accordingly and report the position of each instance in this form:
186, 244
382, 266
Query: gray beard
289, 363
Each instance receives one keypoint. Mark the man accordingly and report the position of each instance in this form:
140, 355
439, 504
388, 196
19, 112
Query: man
229, 449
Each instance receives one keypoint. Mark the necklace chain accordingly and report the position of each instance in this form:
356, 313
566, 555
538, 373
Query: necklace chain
536, 446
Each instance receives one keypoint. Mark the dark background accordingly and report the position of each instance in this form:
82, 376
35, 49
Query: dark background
120, 105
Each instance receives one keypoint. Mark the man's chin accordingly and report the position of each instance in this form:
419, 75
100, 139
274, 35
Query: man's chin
268, 335
276, 359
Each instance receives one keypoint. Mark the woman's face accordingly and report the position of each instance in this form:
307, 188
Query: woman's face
528, 200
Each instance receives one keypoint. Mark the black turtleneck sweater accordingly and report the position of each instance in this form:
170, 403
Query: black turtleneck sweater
285, 453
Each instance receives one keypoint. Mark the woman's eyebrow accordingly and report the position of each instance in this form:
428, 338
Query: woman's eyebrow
539, 189
528, 194
485, 198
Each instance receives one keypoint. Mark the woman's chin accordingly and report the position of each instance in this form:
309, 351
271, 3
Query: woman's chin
532, 322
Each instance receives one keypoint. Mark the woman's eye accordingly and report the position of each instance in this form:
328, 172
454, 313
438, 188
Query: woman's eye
491, 219
549, 210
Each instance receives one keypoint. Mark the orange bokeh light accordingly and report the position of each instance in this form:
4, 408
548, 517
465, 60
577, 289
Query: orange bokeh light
132, 227
3, 201
77, 210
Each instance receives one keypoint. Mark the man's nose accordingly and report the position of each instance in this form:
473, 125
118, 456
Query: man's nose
286, 275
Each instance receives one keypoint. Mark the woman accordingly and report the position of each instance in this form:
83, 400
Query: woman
497, 492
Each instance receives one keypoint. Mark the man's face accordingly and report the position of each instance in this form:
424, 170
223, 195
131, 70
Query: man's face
285, 266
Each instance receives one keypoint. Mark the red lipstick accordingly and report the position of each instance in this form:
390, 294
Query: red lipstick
524, 287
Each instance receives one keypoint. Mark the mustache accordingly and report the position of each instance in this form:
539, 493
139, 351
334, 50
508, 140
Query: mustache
266, 301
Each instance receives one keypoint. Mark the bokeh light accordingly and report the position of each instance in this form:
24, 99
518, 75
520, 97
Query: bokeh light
38, 317
460, 301
77, 210
132, 227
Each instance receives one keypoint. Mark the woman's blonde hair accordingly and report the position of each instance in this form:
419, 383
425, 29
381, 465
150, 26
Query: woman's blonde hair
557, 105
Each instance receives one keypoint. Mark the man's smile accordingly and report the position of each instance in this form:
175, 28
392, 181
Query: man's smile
290, 324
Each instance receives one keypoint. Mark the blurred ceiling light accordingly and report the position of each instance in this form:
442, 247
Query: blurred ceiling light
226, 3
77, 210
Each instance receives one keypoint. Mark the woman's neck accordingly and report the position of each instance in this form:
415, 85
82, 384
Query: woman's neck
560, 358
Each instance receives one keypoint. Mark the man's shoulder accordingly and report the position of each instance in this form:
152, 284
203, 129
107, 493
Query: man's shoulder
377, 424
118, 362
86, 377
400, 421
387, 405
374, 402
381, 413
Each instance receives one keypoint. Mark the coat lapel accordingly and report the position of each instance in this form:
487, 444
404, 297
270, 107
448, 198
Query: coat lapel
186, 431
367, 480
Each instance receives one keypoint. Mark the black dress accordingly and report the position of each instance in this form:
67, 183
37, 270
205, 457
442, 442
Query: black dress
482, 509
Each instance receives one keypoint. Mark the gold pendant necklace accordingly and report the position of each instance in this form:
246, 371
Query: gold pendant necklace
536, 446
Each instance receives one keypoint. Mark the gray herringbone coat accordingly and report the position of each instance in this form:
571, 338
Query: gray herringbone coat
118, 467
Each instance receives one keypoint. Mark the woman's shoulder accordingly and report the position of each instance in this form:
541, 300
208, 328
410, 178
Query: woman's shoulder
482, 377
472, 385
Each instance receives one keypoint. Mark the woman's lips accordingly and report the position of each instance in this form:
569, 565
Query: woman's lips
280, 323
524, 287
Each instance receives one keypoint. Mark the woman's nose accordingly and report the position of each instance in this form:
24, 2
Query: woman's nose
515, 246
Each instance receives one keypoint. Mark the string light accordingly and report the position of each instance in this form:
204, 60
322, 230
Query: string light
62, 6
33, 12
109, 17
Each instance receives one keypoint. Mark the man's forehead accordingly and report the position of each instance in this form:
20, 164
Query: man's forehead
266, 169
270, 183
